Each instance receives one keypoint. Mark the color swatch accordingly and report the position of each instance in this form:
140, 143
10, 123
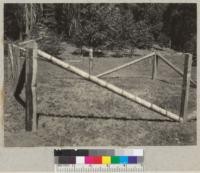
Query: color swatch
97, 157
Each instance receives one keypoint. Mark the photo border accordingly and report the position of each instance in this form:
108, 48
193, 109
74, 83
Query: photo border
156, 158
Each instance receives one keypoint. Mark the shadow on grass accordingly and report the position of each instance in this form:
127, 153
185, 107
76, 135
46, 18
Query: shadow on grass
91, 116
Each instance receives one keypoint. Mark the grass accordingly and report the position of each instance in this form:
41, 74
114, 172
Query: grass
75, 112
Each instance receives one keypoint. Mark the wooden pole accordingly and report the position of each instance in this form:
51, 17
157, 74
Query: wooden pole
109, 86
10, 55
180, 72
28, 41
89, 66
90, 60
31, 16
186, 86
20, 48
155, 67
125, 65
31, 72
27, 19
17, 66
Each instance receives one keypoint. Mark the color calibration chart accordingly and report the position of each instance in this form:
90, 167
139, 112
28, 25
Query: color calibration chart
98, 160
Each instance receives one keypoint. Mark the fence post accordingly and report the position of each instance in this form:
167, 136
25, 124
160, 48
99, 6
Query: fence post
155, 67
186, 86
31, 72
10, 56
90, 60
16, 65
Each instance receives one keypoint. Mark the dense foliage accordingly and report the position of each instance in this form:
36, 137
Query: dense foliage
180, 24
116, 26
19, 20
14, 25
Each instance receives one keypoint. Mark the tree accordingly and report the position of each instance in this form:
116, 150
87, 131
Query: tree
111, 25
98, 25
67, 17
20, 19
13, 21
180, 25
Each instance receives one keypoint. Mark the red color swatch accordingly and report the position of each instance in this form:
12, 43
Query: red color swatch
97, 160
93, 160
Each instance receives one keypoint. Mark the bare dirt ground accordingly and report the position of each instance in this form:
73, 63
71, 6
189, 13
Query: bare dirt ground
75, 112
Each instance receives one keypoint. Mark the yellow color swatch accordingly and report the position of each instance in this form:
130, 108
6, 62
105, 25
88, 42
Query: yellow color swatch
106, 160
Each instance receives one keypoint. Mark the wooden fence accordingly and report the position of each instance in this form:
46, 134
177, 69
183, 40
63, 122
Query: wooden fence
26, 76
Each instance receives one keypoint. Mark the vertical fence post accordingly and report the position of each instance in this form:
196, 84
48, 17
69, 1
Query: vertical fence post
31, 72
155, 67
186, 86
10, 56
90, 60
89, 66
16, 65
